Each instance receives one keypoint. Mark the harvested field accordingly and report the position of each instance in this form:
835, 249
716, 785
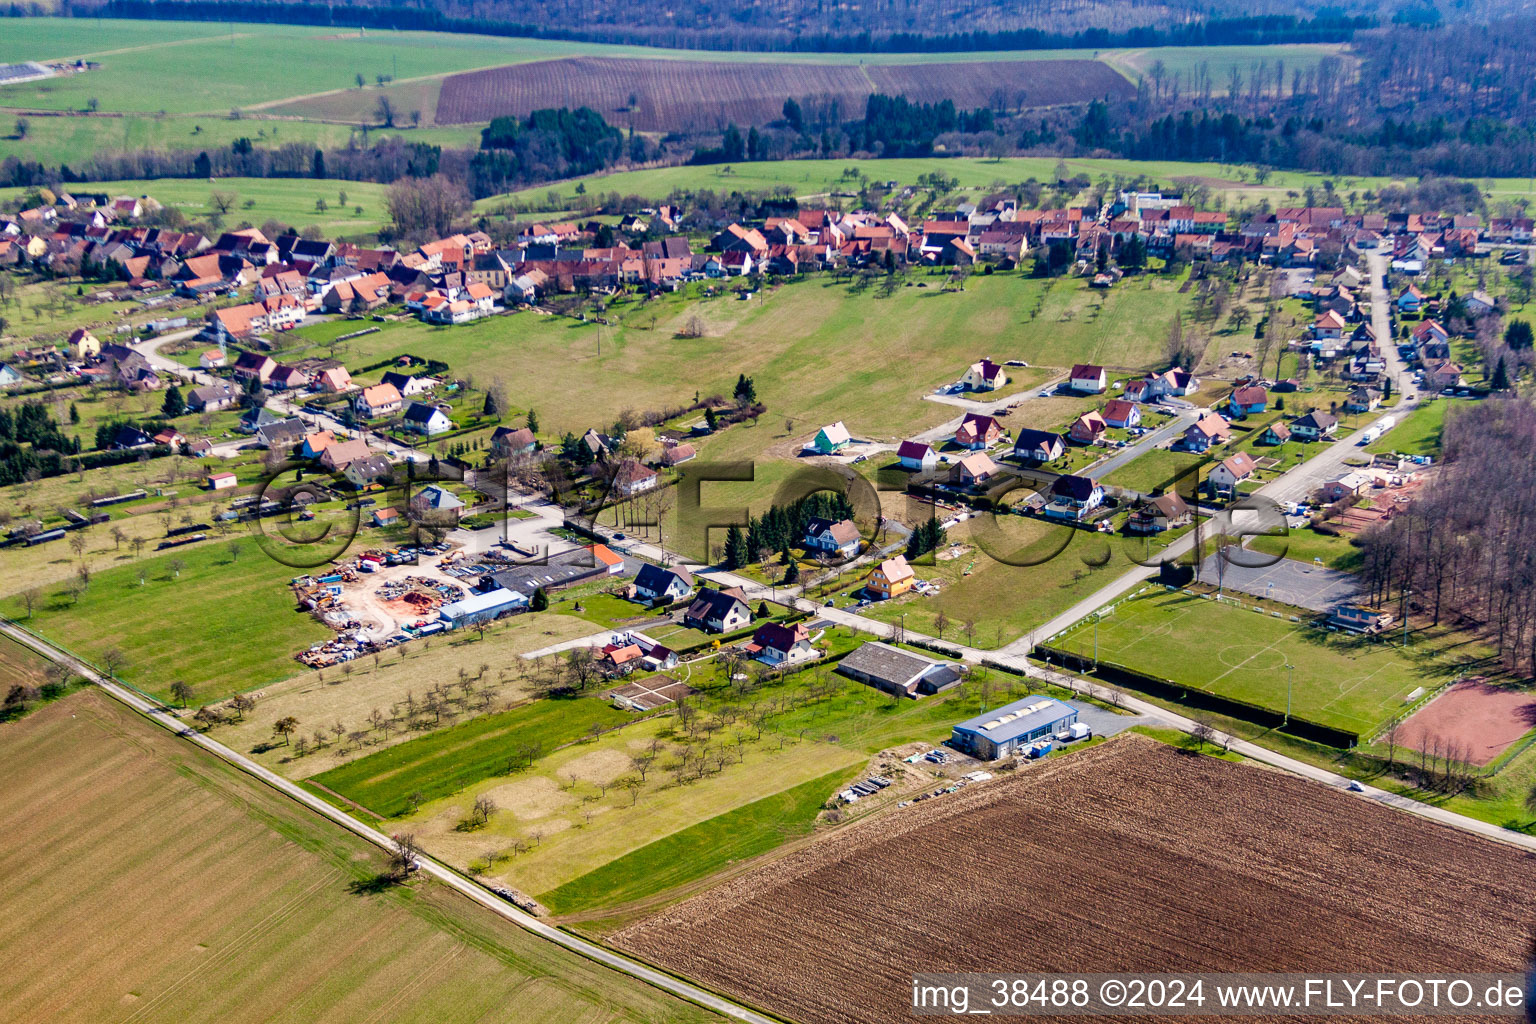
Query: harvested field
674, 95
1475, 717
1233, 868
198, 894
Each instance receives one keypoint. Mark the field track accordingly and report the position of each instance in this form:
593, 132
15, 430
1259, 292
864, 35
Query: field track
673, 95
1237, 868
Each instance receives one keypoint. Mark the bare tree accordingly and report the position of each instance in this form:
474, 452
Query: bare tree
403, 858
182, 692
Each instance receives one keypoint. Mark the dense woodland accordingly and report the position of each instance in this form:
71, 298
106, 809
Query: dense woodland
808, 25
1463, 545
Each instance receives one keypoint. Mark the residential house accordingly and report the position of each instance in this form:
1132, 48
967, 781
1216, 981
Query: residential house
9, 375
1479, 304
776, 644
1328, 327
1088, 379
288, 378
83, 344
1074, 497
677, 454
1443, 375
1120, 413
975, 470
507, 441
1347, 485
891, 578
832, 438
1362, 399
1249, 400
1155, 515
435, 505
316, 442
282, 433
335, 457
631, 477
335, 381
1410, 300
379, 400
840, 538
664, 586
213, 359
1314, 426
984, 376
222, 481
916, 455
428, 420
1276, 433
1087, 428
213, 397
255, 364
364, 473
1229, 472
409, 385
718, 611
977, 432
128, 436
1042, 446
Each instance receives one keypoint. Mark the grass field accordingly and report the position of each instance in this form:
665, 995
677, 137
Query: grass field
444, 762
1347, 682
1000, 596
290, 200
699, 850
318, 699
211, 898
1418, 434
227, 624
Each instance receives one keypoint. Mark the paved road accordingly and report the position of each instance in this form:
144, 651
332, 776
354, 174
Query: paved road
439, 872
1125, 456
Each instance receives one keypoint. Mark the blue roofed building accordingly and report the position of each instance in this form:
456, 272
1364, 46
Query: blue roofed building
1012, 727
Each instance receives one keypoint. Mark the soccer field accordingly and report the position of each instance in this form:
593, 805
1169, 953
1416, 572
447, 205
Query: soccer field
1340, 680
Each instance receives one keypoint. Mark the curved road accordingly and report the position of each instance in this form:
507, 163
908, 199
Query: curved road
440, 872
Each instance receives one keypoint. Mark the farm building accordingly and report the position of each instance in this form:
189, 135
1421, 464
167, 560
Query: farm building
994, 734
477, 608
896, 671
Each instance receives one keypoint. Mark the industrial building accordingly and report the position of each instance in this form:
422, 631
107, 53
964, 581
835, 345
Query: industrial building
1010, 728
484, 607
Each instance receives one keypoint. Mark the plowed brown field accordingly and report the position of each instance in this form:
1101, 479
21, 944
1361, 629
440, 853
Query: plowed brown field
1131, 856
673, 95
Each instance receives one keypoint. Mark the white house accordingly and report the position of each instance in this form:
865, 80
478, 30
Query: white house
840, 538
653, 583
917, 456
379, 400
1229, 472
1088, 379
421, 418
1039, 445
984, 376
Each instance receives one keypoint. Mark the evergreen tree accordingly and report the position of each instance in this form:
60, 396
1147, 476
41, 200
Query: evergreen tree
709, 417
533, 421
539, 602
735, 548
746, 390
792, 573
492, 407
1500, 377
173, 406
1518, 334
74, 413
